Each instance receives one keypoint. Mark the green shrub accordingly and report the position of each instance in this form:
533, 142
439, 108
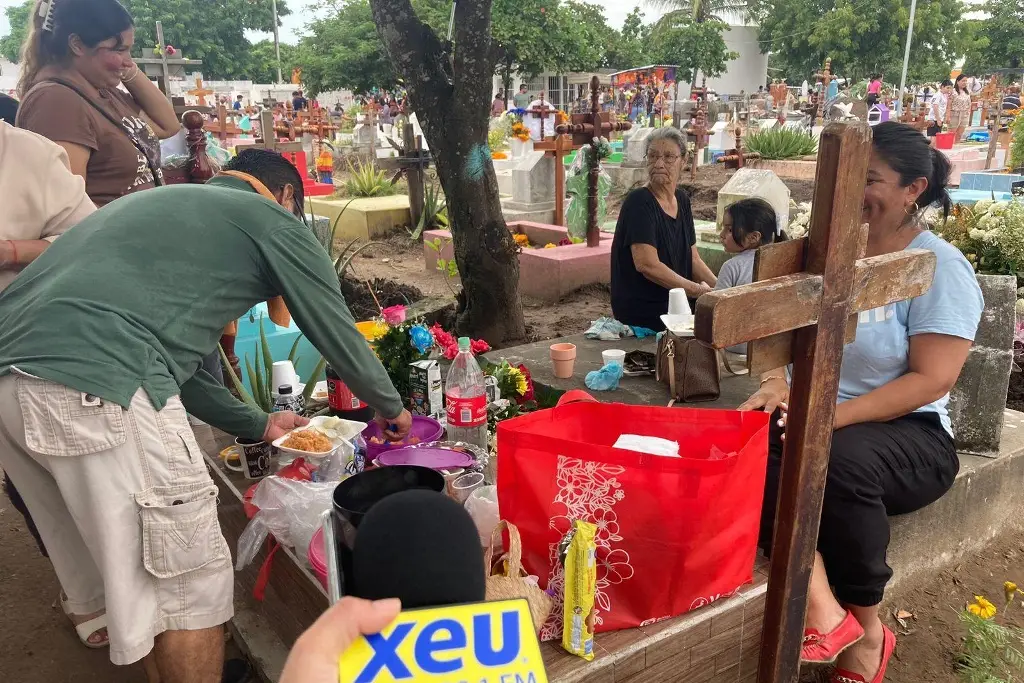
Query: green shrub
780, 143
366, 181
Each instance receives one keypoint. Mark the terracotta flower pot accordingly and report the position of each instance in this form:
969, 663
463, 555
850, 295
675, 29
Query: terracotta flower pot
563, 358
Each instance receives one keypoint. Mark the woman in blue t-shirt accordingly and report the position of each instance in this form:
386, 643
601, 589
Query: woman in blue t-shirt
892, 447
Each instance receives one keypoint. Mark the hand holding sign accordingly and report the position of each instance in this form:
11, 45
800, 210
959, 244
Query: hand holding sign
314, 659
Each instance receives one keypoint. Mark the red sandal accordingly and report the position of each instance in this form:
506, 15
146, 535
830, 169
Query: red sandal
888, 645
824, 648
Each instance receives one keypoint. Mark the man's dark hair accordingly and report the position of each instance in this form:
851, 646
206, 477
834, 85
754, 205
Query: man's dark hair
274, 171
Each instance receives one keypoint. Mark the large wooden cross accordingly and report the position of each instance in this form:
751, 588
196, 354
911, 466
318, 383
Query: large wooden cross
801, 309
584, 128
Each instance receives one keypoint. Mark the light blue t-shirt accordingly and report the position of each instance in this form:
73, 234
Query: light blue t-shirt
880, 353
739, 270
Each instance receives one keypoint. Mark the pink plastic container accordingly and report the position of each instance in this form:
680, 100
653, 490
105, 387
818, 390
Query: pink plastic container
318, 557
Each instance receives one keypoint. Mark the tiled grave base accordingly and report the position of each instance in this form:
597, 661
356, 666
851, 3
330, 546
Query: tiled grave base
719, 643
544, 274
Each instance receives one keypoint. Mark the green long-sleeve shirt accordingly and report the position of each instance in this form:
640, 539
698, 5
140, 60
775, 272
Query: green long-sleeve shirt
138, 293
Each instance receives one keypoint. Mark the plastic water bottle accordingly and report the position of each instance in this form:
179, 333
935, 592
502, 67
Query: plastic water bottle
466, 399
286, 400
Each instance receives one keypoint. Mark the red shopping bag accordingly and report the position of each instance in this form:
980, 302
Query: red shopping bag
674, 534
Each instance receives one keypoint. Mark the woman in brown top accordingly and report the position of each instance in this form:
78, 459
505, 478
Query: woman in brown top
76, 55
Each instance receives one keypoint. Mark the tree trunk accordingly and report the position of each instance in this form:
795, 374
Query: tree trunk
506, 81
452, 96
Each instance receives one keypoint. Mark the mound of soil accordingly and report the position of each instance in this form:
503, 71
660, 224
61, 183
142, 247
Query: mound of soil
388, 292
703, 190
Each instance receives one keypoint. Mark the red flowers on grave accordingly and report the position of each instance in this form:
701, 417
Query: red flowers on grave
449, 345
529, 395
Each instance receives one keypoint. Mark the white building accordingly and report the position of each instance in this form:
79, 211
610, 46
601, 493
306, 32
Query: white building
9, 74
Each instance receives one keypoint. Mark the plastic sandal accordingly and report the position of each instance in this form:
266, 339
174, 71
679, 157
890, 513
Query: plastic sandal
888, 645
86, 629
824, 648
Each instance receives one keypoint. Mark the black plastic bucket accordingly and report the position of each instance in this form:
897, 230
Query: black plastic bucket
354, 497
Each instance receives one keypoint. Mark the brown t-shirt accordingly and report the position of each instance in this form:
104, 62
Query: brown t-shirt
116, 167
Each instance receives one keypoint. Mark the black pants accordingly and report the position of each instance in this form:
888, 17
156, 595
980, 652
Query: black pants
875, 469
19, 505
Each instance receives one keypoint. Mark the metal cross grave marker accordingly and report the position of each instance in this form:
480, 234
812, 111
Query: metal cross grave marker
799, 311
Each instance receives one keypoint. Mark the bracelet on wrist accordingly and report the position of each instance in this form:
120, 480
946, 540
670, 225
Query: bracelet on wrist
770, 378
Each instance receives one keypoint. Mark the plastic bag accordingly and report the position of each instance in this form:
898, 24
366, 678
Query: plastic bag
288, 509
576, 188
605, 379
482, 506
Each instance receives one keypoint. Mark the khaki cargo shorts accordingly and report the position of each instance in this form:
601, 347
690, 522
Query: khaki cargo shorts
125, 506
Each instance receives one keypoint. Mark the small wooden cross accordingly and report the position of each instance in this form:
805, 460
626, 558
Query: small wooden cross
800, 310
412, 162
200, 92
541, 111
269, 139
584, 128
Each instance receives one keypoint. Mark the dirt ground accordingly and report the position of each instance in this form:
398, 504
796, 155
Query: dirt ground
39, 645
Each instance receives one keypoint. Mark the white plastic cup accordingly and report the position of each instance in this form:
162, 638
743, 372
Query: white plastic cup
613, 356
283, 372
678, 304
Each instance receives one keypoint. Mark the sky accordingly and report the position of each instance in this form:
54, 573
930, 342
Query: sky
615, 12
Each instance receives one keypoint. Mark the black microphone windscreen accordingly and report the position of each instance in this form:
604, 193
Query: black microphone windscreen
420, 546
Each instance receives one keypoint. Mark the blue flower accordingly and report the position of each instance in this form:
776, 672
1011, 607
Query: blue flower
421, 338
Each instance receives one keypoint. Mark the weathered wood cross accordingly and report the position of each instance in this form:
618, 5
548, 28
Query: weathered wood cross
584, 128
801, 309
269, 138
413, 162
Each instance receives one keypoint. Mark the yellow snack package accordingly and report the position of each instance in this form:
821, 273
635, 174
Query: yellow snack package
579, 555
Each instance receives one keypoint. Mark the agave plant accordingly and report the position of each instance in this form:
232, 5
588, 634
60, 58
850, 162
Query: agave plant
261, 375
435, 211
780, 143
366, 181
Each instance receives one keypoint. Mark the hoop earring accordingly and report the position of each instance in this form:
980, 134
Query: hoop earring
911, 213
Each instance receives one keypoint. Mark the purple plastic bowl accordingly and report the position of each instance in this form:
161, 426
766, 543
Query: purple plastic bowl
426, 429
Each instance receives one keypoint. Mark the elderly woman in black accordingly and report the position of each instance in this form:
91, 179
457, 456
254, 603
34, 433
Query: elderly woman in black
654, 249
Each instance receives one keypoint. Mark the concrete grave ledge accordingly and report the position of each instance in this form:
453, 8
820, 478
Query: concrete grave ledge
365, 218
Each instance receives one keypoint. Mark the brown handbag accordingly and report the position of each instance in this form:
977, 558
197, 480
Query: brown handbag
690, 369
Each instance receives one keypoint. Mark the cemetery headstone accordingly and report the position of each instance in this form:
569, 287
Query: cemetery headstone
634, 147
533, 179
978, 399
751, 182
719, 136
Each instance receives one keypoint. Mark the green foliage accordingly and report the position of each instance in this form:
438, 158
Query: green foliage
991, 653
1017, 146
261, 65
366, 181
581, 36
343, 51
695, 46
448, 267
211, 31
780, 143
998, 40
395, 350
17, 17
861, 36
435, 211
629, 49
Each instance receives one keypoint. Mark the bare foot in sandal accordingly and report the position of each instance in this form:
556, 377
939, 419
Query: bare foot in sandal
91, 628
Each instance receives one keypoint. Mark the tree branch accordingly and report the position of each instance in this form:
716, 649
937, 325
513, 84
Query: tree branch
417, 52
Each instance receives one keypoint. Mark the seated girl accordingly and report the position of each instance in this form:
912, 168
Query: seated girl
892, 445
746, 225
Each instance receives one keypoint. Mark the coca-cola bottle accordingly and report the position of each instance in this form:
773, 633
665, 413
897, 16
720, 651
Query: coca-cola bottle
466, 399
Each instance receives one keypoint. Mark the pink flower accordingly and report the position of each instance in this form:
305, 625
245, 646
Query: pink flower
477, 346
393, 315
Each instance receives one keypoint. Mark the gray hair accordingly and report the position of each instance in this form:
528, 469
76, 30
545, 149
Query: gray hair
667, 133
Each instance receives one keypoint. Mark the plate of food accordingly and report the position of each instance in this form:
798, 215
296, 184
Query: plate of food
679, 325
321, 437
319, 391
